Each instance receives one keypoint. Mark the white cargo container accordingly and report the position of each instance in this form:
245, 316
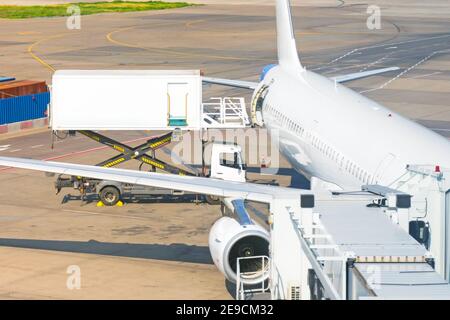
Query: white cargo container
126, 100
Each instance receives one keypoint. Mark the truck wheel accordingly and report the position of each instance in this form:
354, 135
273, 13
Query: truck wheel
212, 200
109, 196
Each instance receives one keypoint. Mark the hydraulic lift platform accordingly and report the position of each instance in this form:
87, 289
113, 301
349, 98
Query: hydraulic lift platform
110, 192
138, 153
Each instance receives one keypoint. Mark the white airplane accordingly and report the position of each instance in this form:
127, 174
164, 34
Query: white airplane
338, 138
331, 133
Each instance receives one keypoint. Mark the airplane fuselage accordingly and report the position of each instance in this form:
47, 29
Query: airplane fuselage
341, 137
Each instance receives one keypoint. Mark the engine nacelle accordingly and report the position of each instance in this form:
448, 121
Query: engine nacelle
229, 240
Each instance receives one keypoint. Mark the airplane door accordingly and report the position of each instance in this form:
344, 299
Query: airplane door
177, 104
257, 106
382, 167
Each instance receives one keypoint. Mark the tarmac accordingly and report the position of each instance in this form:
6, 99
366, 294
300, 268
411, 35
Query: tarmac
157, 249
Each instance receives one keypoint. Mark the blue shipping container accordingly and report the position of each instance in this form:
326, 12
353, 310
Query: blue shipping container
24, 108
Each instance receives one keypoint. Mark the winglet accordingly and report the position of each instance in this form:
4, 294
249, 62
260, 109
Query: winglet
287, 49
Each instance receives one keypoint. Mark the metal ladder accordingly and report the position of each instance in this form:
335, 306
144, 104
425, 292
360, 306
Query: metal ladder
327, 260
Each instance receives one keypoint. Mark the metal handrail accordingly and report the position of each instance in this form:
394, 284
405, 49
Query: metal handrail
226, 109
318, 262
240, 291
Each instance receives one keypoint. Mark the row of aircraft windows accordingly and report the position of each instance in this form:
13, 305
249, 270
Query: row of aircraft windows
327, 150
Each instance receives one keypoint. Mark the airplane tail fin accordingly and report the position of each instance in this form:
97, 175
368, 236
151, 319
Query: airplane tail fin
287, 48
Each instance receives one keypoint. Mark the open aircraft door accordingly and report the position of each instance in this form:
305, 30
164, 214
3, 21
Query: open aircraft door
258, 104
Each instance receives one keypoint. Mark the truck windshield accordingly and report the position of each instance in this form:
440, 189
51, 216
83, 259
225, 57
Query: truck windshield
232, 160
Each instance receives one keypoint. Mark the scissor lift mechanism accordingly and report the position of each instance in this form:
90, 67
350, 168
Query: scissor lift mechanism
139, 153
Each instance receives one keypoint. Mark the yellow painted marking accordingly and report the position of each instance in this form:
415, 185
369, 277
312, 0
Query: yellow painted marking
110, 38
26, 33
100, 204
113, 163
153, 163
38, 59
158, 143
190, 23
119, 148
96, 138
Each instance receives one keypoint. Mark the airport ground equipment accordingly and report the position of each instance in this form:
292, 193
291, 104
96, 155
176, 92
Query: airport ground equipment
138, 100
345, 246
429, 216
226, 163
87, 101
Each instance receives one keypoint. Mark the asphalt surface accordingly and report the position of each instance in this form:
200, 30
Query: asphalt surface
158, 248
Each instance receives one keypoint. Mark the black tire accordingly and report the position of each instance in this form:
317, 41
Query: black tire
212, 200
109, 196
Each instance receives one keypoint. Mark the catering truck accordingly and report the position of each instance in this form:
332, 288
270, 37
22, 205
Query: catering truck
94, 102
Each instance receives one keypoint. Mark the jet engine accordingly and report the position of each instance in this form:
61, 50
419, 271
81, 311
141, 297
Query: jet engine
230, 240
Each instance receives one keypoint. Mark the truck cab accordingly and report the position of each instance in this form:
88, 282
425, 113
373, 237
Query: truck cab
227, 163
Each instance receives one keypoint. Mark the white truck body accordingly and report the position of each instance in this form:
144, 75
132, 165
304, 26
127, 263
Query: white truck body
126, 100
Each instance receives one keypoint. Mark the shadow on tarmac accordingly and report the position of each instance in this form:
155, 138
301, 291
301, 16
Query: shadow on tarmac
172, 252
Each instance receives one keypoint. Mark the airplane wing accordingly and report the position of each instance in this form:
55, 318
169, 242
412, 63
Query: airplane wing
340, 79
363, 74
231, 83
210, 186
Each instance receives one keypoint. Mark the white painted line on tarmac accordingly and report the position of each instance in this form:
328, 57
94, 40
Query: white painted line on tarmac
15, 150
5, 147
37, 146
426, 75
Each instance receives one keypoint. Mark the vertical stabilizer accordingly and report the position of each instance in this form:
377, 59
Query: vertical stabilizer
287, 49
